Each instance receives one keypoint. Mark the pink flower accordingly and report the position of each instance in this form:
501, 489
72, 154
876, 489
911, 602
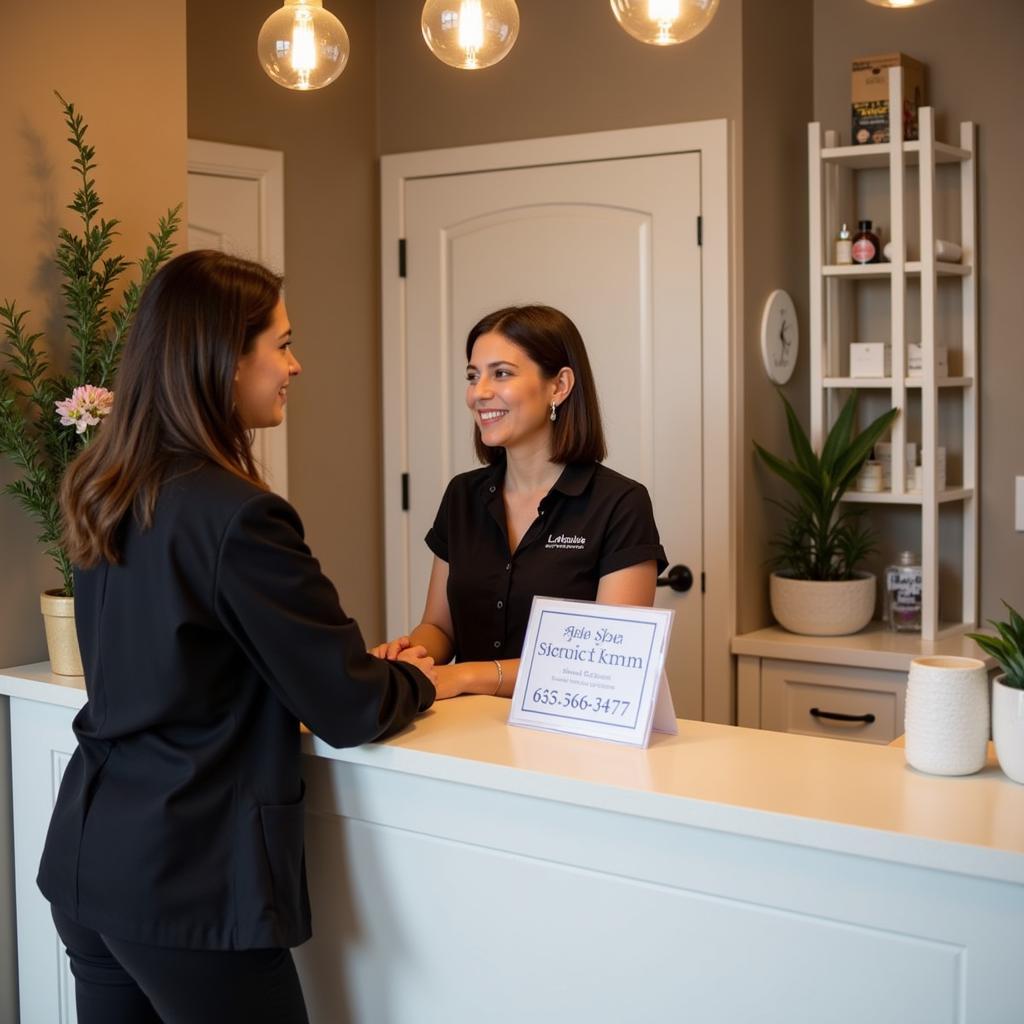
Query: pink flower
85, 407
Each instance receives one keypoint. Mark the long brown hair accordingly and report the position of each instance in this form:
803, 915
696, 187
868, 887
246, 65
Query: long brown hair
552, 341
174, 396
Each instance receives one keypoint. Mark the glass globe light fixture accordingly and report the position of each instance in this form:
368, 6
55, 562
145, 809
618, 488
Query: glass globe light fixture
302, 46
470, 34
664, 22
899, 3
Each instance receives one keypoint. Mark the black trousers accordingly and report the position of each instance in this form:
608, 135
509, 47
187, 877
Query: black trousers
128, 983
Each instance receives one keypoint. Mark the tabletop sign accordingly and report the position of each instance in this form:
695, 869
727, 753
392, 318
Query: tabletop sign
595, 670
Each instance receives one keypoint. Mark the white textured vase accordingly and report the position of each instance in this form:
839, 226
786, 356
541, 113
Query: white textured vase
822, 607
947, 716
1008, 728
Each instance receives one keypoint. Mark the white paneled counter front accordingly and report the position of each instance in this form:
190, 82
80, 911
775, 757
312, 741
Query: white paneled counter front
466, 871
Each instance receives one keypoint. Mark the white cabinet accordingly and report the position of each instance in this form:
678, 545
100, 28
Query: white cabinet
42, 743
845, 687
929, 302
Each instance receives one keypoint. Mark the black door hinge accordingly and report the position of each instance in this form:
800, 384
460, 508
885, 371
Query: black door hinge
700, 230
702, 583
401, 257
405, 492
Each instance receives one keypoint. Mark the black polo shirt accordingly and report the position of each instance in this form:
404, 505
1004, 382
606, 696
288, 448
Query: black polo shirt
594, 521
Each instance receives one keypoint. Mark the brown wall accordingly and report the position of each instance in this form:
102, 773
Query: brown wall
571, 70
331, 225
973, 52
136, 113
777, 83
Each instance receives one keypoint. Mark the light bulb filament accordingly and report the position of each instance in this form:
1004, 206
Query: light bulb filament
471, 29
665, 13
303, 50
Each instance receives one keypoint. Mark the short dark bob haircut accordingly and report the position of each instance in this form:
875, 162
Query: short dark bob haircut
552, 341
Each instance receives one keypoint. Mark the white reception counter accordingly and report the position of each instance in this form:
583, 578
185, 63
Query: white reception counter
467, 871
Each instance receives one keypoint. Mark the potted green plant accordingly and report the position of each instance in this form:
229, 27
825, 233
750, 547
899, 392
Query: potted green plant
49, 411
816, 587
1007, 691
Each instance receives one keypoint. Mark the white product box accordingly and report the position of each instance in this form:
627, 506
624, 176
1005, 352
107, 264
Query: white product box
883, 454
915, 480
915, 364
870, 359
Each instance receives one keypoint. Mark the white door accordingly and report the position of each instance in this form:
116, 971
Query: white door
614, 244
236, 205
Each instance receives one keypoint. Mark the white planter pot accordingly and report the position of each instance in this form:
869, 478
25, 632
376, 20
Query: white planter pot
1008, 728
947, 715
823, 608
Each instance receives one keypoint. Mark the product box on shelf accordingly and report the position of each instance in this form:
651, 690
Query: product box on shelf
870, 359
915, 363
871, 96
916, 479
883, 455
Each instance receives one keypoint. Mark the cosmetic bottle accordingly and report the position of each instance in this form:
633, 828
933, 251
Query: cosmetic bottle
844, 247
865, 248
903, 594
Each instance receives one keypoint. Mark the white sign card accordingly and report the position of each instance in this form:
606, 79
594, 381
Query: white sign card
595, 670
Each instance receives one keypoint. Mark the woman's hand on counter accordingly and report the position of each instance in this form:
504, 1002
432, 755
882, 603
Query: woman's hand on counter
392, 648
418, 657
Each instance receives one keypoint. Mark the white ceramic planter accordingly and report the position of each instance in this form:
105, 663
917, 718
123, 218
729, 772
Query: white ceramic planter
823, 608
947, 715
1008, 728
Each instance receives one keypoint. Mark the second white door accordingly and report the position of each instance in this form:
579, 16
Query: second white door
614, 244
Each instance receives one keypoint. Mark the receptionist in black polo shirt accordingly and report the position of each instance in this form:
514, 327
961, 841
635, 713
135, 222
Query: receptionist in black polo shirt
543, 517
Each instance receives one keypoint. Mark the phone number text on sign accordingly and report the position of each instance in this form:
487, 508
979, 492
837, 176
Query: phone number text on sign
606, 706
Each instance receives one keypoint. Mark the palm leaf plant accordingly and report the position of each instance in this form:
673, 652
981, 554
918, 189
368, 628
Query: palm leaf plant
820, 539
1007, 648
46, 414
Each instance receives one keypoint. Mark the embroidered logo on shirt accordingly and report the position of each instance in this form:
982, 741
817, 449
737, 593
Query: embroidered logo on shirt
566, 542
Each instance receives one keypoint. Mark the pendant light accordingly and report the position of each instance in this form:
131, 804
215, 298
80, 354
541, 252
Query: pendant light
899, 3
470, 34
302, 46
664, 22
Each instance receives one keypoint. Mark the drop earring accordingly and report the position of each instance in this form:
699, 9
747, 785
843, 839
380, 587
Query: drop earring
554, 413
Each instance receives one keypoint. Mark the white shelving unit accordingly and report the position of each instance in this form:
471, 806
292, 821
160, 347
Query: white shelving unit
832, 169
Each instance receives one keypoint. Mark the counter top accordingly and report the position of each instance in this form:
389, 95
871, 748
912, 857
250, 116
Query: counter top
873, 647
855, 798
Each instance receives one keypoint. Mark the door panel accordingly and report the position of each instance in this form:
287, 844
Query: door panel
613, 244
236, 205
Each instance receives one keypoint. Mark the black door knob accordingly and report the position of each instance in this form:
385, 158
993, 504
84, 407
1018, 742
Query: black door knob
679, 578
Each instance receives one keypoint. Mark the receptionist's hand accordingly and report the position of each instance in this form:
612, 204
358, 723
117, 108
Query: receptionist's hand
418, 656
449, 681
391, 649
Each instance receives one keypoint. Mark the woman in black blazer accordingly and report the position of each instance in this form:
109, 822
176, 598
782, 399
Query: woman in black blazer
174, 860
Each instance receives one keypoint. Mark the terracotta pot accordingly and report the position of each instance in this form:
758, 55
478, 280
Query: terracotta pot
61, 638
823, 607
1008, 728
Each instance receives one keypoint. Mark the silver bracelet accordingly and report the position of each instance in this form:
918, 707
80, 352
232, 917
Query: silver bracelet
501, 677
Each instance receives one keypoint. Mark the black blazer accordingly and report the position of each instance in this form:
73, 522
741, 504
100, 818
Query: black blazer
179, 820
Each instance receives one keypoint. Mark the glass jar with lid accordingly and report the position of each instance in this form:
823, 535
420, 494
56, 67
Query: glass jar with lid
903, 594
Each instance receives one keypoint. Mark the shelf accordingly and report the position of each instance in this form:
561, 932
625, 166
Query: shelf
873, 647
862, 157
912, 269
885, 383
910, 498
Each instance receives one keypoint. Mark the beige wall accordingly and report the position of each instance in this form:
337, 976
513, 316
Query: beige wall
135, 108
329, 142
973, 52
